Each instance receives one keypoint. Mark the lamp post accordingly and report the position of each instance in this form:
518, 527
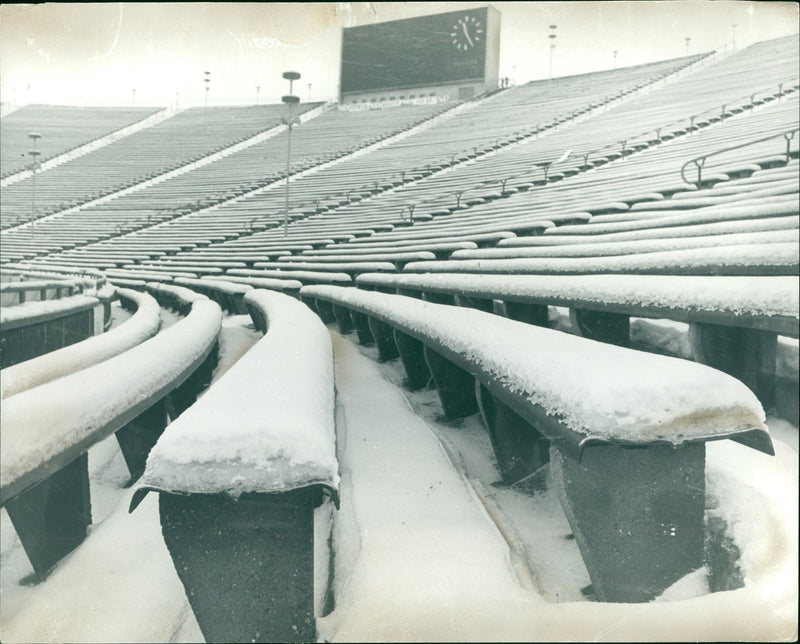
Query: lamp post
290, 100
177, 99
688, 40
207, 81
615, 58
258, 93
133, 97
309, 92
552, 38
734, 36
33, 136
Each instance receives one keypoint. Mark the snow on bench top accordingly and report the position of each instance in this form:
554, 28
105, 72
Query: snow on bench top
271, 283
290, 273
47, 427
217, 284
143, 324
777, 258
268, 424
30, 312
710, 214
184, 294
677, 297
671, 232
599, 390
333, 266
375, 256
597, 248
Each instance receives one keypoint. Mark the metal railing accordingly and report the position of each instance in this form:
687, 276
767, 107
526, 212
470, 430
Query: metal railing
699, 162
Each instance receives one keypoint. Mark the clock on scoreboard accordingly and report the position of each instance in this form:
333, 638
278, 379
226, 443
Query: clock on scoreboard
429, 50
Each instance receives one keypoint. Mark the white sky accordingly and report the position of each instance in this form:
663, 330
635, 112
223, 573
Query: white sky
97, 54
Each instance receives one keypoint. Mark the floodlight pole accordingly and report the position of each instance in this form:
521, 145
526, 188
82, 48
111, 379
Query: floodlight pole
133, 97
207, 81
290, 100
33, 136
615, 59
734, 36
258, 92
688, 40
552, 38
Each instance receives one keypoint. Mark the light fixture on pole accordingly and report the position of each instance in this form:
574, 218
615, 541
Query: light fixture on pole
734, 36
207, 81
615, 58
33, 136
290, 100
688, 40
133, 97
552, 38
258, 93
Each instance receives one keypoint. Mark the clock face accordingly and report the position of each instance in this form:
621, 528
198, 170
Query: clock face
467, 33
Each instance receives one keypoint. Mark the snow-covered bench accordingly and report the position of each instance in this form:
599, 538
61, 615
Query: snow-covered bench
240, 473
734, 320
34, 328
627, 429
47, 430
20, 292
34, 372
227, 294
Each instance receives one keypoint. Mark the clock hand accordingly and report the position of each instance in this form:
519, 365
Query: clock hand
466, 33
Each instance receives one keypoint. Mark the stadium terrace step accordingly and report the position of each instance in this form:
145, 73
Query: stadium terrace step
44, 479
624, 449
143, 324
258, 449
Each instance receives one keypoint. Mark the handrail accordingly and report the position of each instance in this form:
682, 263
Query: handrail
700, 161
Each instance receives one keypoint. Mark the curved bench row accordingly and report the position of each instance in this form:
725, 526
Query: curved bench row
626, 429
142, 325
256, 452
48, 430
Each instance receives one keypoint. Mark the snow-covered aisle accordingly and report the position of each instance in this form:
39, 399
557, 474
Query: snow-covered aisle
423, 559
417, 557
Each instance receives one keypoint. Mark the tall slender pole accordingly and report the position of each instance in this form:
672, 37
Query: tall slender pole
615, 59
33, 136
288, 162
734, 36
133, 98
688, 40
552, 38
258, 92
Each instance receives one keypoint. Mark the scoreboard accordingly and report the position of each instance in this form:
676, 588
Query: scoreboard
440, 49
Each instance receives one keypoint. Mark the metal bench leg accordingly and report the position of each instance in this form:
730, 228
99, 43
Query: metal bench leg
360, 322
325, 311
637, 515
184, 396
456, 387
138, 437
524, 312
518, 446
480, 303
746, 354
439, 298
51, 518
384, 339
413, 357
343, 319
247, 565
613, 328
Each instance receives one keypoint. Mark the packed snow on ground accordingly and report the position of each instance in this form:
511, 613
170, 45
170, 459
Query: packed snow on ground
392, 585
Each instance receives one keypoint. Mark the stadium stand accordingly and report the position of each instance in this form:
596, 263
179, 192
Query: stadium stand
445, 235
